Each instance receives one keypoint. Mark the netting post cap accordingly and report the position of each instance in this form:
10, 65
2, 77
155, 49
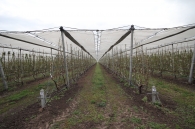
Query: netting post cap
132, 27
61, 28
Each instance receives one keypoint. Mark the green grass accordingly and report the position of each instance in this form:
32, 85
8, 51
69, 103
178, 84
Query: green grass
92, 100
182, 96
154, 125
136, 120
102, 100
12, 85
22, 98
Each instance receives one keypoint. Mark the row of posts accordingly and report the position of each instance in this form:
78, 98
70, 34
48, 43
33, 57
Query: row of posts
42, 92
131, 60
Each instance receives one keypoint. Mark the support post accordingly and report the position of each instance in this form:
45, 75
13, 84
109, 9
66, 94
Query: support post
21, 71
125, 62
43, 99
192, 67
173, 61
65, 61
131, 55
154, 94
51, 74
112, 61
3, 76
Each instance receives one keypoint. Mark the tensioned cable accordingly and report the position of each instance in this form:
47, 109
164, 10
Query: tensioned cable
155, 40
170, 44
167, 36
26, 41
183, 41
121, 39
77, 29
42, 39
184, 26
17, 48
7, 31
68, 35
150, 36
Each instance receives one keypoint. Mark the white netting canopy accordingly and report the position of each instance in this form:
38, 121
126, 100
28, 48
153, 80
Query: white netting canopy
97, 42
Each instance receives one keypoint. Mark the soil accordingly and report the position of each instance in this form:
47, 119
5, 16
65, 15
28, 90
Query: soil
159, 115
183, 82
20, 87
34, 117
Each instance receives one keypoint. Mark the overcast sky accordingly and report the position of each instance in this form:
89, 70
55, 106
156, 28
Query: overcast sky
94, 14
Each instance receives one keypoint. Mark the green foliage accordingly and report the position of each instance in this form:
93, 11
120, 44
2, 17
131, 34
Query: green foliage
145, 99
135, 108
93, 102
141, 127
136, 120
122, 80
126, 84
154, 125
101, 104
18, 96
76, 112
157, 103
187, 116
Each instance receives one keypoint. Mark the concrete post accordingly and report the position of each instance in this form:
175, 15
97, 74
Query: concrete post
65, 61
154, 94
3, 76
43, 98
131, 56
192, 67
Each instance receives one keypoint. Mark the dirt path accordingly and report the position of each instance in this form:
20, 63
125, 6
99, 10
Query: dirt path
102, 103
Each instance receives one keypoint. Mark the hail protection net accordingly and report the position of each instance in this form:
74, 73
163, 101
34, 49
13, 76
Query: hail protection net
108, 47
98, 42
